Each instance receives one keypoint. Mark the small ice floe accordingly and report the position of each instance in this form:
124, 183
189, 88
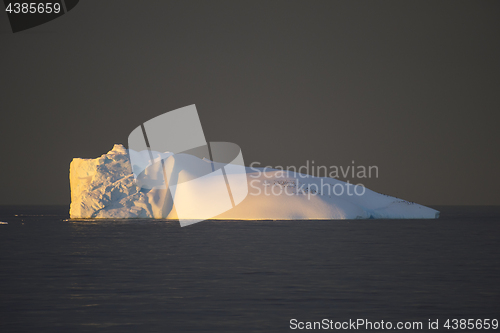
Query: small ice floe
4, 222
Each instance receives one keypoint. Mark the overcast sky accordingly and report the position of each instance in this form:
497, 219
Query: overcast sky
412, 87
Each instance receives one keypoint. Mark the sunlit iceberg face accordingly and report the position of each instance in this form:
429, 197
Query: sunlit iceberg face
200, 180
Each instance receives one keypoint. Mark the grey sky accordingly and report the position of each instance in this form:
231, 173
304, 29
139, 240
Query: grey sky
412, 87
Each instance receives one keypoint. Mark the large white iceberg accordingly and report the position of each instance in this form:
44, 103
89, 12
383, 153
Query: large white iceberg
105, 188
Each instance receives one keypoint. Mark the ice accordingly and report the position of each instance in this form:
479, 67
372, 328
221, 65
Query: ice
105, 187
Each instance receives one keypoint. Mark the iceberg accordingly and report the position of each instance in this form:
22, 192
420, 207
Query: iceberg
105, 188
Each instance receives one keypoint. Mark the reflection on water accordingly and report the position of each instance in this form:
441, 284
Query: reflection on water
219, 276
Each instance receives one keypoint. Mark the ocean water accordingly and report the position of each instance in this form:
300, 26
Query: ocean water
153, 276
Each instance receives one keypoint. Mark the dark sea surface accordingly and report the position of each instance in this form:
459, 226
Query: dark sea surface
154, 276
